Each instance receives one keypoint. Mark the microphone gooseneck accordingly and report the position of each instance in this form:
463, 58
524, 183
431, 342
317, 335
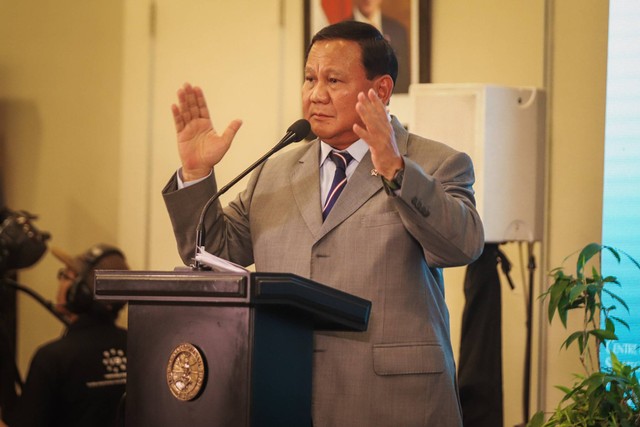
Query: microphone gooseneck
296, 132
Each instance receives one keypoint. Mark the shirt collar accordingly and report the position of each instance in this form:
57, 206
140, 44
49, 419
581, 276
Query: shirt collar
357, 150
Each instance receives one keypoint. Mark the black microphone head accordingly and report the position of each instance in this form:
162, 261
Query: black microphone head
300, 129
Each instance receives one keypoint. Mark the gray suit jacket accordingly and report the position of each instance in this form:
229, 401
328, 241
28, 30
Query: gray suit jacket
386, 249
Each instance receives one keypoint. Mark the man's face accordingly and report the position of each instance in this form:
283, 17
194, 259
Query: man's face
66, 278
334, 75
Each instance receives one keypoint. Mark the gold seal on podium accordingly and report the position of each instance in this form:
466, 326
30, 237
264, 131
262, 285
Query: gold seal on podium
185, 372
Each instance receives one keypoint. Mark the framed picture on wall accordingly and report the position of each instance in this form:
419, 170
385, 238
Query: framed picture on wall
405, 23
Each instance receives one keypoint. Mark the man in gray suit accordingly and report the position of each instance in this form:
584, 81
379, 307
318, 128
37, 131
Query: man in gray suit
406, 211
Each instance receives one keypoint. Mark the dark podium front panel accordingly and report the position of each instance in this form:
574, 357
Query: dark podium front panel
213, 349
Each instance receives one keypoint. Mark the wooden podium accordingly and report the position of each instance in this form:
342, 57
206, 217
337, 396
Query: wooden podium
220, 349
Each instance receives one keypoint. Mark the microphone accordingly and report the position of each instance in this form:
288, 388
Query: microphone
296, 132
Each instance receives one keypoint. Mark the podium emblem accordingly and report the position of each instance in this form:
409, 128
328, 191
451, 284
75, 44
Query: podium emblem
185, 372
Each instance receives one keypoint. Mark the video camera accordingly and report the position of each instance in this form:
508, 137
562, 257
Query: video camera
21, 243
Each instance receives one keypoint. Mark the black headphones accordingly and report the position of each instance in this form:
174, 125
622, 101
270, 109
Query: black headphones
80, 294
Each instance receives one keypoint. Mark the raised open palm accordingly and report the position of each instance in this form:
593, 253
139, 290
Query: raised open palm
199, 145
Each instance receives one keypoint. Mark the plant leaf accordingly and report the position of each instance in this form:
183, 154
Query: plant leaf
574, 336
556, 290
585, 255
622, 322
609, 326
616, 297
632, 259
613, 252
537, 420
603, 334
577, 290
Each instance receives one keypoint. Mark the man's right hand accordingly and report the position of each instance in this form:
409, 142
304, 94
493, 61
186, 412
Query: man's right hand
199, 145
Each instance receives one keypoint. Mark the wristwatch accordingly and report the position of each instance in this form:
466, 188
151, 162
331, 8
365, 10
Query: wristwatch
394, 183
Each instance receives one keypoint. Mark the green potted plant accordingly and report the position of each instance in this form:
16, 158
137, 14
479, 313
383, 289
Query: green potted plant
598, 397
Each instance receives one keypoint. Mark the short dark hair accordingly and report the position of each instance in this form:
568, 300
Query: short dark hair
378, 57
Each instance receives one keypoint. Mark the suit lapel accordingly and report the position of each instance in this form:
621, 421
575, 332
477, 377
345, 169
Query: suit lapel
402, 136
362, 185
305, 182
360, 188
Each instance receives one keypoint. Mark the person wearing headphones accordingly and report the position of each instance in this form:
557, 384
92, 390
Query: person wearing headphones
79, 379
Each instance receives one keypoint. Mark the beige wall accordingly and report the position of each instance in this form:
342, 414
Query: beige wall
79, 128
60, 95
559, 46
578, 83
494, 42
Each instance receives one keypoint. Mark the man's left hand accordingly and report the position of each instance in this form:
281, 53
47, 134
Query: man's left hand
378, 133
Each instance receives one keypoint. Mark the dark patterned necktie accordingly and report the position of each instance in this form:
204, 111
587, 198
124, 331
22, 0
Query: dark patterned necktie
341, 159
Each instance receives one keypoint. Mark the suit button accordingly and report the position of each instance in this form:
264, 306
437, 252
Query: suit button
420, 207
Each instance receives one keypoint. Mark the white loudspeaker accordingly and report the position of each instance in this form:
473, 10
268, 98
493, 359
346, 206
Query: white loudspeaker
502, 129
